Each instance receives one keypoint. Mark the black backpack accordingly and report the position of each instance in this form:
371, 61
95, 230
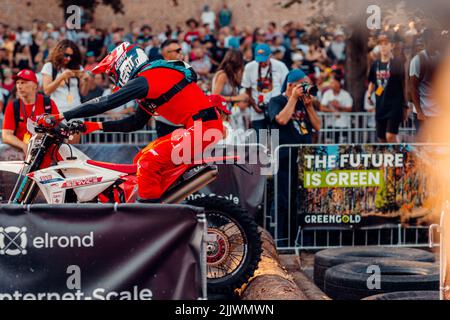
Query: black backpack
16, 108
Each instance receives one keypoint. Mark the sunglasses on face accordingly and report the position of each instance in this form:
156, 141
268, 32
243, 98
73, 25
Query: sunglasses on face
68, 55
176, 50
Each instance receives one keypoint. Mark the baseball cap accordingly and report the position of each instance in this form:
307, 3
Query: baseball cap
295, 75
234, 43
219, 102
262, 52
26, 75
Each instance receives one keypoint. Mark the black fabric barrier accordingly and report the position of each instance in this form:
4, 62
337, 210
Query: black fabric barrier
232, 183
7, 179
128, 252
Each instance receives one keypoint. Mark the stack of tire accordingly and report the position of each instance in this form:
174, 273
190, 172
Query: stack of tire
377, 273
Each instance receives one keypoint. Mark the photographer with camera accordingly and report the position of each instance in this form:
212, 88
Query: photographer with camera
262, 79
293, 114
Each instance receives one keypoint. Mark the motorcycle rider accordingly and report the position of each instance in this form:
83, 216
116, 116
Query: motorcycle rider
166, 90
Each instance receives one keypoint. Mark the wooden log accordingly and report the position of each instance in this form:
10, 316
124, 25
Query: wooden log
270, 281
272, 287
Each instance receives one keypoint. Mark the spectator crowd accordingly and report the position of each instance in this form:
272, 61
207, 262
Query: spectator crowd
248, 67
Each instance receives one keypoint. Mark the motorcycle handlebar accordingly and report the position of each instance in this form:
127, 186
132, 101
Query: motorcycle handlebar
64, 129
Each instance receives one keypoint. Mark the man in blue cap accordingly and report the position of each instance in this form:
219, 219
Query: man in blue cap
293, 114
262, 79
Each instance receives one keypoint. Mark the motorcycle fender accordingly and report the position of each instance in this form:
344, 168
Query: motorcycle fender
48, 181
81, 178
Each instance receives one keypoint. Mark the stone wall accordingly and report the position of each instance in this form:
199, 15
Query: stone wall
249, 13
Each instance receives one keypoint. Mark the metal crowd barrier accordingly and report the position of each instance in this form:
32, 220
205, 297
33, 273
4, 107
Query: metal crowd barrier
397, 235
356, 127
360, 128
144, 136
137, 137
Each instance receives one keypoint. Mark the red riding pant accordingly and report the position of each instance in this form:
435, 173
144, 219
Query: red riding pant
184, 146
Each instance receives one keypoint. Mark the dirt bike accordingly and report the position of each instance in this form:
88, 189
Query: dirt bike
64, 174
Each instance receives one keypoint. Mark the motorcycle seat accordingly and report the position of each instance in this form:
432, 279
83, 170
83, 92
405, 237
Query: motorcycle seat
124, 168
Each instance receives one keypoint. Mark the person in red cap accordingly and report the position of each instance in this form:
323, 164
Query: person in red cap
28, 105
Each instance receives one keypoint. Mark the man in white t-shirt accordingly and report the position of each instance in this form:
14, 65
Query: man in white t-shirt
336, 50
208, 17
262, 79
421, 72
337, 100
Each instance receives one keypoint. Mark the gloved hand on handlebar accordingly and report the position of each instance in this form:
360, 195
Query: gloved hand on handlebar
48, 120
92, 126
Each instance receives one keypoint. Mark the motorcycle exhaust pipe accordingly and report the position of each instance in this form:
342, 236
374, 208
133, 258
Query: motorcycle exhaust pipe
188, 187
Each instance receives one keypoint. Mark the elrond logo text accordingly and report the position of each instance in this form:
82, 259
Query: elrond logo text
14, 241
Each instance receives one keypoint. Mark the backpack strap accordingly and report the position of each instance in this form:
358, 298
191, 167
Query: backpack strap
47, 104
165, 97
189, 77
16, 109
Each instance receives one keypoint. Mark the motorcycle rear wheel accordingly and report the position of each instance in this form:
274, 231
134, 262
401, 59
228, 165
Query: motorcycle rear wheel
233, 244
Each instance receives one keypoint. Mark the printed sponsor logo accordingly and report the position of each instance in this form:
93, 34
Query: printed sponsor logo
57, 197
96, 294
45, 178
81, 182
333, 218
14, 241
230, 197
49, 179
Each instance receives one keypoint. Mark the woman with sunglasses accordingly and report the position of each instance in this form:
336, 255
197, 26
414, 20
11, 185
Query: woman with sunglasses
63, 78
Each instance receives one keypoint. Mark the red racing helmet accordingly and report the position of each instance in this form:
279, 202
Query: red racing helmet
122, 64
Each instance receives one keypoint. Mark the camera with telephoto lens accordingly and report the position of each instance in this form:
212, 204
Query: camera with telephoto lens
309, 89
